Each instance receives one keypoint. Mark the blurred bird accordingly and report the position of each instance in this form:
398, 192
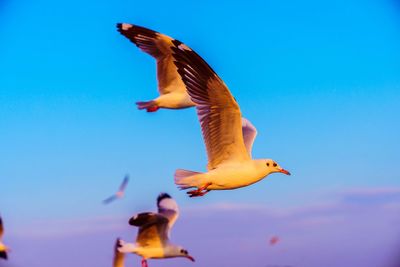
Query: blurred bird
120, 193
172, 90
3, 248
230, 165
152, 241
119, 258
274, 240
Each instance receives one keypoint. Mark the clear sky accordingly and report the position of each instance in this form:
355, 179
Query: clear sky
320, 81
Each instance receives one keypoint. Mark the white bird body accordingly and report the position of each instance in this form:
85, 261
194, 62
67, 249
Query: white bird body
230, 175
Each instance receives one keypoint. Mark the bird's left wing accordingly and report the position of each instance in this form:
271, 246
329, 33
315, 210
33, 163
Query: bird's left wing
249, 134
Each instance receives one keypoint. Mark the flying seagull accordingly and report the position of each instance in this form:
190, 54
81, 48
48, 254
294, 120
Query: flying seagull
230, 164
119, 257
172, 90
152, 241
120, 193
3, 248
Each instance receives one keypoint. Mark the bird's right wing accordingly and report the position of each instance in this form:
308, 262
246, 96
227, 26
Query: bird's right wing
153, 229
217, 110
249, 134
158, 46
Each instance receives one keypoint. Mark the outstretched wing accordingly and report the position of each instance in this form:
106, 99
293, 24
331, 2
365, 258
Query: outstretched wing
109, 200
158, 46
218, 112
168, 207
249, 134
153, 229
124, 183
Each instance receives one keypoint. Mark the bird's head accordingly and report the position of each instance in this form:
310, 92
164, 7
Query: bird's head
181, 252
271, 166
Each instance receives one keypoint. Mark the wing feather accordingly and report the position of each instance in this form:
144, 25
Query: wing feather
153, 229
217, 110
158, 46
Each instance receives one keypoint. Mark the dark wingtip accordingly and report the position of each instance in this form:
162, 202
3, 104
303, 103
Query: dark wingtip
3, 255
162, 196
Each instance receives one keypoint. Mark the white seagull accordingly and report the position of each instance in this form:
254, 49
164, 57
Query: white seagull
120, 193
3, 248
230, 164
119, 257
152, 241
172, 90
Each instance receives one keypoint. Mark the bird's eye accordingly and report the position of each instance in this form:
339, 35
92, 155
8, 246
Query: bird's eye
275, 164
268, 164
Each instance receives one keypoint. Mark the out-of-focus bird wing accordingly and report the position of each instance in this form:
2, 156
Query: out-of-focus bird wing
124, 183
110, 199
153, 229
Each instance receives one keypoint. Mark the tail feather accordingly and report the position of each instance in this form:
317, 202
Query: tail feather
150, 106
185, 179
124, 247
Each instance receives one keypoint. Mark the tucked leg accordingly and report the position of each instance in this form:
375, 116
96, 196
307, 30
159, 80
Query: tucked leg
201, 191
144, 263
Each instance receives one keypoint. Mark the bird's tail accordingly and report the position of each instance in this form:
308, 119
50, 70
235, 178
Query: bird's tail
150, 106
185, 179
124, 247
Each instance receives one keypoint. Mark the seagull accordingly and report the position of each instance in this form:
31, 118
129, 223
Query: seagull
3, 248
119, 257
171, 88
120, 193
228, 145
152, 241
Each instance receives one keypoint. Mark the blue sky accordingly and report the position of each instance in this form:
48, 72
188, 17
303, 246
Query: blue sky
320, 81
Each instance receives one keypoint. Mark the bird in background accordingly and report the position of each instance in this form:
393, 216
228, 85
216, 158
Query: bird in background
119, 257
3, 248
171, 88
120, 193
152, 241
274, 240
